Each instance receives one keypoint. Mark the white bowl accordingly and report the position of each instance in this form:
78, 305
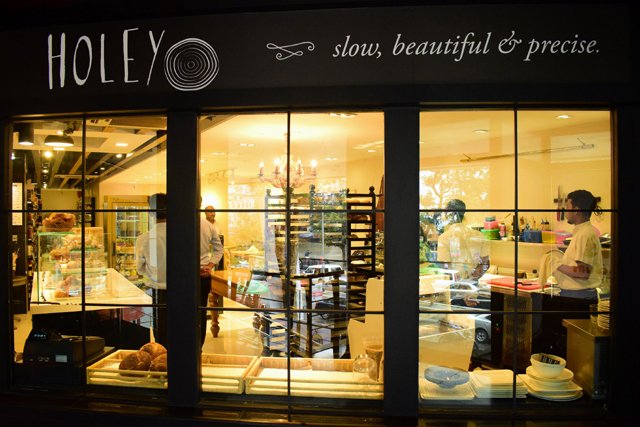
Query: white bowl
547, 369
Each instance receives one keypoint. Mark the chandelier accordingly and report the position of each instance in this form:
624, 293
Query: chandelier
278, 178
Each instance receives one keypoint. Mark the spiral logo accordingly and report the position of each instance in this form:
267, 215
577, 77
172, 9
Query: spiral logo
191, 64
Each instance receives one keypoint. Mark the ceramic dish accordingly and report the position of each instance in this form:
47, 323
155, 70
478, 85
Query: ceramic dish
446, 377
565, 376
564, 398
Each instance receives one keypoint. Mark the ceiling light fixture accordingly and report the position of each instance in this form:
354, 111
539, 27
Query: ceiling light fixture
121, 144
563, 117
278, 177
63, 138
25, 133
480, 131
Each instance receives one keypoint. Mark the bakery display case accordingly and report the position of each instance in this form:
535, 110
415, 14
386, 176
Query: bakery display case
124, 226
60, 263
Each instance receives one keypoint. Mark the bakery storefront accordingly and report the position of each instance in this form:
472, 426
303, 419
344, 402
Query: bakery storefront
419, 214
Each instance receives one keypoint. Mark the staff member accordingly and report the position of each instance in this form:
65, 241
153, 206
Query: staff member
151, 262
211, 251
460, 247
578, 272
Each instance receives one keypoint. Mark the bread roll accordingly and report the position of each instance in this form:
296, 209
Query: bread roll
138, 361
159, 363
154, 349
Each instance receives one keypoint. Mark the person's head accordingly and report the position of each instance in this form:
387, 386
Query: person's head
158, 201
210, 213
580, 205
455, 210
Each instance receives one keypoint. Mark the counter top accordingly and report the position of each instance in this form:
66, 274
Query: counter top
586, 328
119, 292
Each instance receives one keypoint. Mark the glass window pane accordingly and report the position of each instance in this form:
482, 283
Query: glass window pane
86, 276
549, 258
467, 155
287, 277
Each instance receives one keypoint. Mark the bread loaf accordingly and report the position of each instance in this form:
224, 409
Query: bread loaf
154, 349
159, 363
138, 361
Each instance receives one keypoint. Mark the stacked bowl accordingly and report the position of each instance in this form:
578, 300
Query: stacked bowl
548, 378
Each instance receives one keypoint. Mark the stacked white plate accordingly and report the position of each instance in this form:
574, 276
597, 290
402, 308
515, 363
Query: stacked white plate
496, 383
603, 318
560, 388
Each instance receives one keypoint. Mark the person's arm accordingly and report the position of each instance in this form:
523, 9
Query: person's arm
580, 271
217, 249
141, 263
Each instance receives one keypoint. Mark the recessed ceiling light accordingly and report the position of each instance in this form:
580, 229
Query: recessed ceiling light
480, 131
119, 156
563, 116
121, 144
45, 170
102, 168
371, 151
48, 154
25, 143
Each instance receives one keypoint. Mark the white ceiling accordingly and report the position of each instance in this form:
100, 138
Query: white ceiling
239, 143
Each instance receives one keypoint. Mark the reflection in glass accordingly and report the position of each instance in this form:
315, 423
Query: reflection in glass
467, 155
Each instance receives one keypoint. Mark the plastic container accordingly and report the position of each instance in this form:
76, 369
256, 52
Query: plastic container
490, 223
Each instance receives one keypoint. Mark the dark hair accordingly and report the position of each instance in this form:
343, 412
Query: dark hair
457, 208
585, 201
158, 201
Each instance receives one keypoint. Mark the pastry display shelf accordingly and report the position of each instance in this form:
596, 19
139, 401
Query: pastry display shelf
118, 292
221, 373
311, 378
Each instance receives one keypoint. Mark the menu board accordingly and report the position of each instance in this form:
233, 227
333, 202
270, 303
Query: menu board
16, 203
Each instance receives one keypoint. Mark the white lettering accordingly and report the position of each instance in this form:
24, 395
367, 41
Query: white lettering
52, 56
125, 54
82, 81
103, 72
154, 47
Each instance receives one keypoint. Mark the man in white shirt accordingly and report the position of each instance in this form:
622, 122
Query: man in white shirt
211, 251
462, 248
151, 262
578, 272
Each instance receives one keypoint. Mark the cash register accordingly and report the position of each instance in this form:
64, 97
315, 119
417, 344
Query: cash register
52, 358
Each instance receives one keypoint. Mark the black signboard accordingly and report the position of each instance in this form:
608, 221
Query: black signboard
497, 44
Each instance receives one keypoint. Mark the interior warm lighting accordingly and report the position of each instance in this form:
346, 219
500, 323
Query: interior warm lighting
278, 177
58, 149
58, 141
480, 131
48, 154
563, 116
343, 115
119, 156
121, 144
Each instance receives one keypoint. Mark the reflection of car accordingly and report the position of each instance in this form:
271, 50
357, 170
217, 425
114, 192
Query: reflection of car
322, 268
483, 328
459, 290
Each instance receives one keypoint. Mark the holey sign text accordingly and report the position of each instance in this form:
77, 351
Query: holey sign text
189, 65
